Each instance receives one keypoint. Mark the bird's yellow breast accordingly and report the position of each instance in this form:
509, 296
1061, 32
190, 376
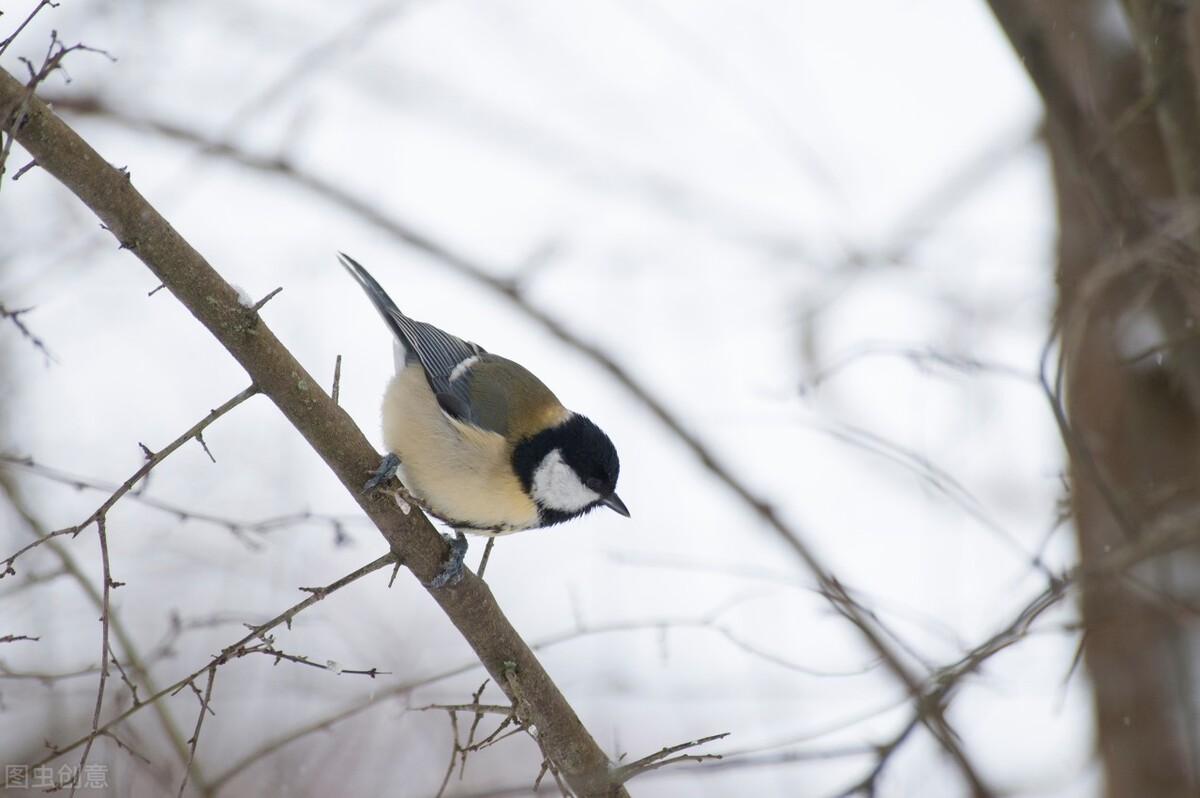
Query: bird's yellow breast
461, 472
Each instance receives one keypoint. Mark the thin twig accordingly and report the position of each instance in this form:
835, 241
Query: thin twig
257, 306
15, 317
129, 649
487, 553
663, 757
205, 709
56, 52
240, 529
105, 649
152, 460
453, 755
25, 23
337, 379
268, 648
227, 653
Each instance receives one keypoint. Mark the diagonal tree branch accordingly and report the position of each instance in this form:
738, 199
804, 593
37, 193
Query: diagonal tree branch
138, 227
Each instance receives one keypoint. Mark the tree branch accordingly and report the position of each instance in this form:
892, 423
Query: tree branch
138, 227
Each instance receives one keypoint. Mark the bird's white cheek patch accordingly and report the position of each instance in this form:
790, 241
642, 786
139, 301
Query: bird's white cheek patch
557, 486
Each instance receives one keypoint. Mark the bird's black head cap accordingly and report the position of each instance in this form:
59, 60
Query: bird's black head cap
584, 447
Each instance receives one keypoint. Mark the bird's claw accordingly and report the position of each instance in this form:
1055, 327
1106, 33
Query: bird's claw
385, 471
453, 570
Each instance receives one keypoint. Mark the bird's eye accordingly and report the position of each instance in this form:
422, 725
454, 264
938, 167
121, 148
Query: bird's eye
593, 484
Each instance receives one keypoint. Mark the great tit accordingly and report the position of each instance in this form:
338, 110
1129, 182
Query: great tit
480, 441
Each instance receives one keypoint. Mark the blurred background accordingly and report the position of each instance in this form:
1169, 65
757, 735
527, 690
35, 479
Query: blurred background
817, 239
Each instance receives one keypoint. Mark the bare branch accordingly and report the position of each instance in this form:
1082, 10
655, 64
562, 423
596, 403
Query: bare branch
229, 652
267, 647
664, 757
337, 379
15, 317
205, 709
257, 306
240, 529
487, 553
152, 460
12, 113
105, 648
117, 627
42, 4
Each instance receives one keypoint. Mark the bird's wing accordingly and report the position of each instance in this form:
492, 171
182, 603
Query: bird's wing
496, 394
438, 352
470, 384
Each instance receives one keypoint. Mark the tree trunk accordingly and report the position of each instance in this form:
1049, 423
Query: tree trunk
1121, 128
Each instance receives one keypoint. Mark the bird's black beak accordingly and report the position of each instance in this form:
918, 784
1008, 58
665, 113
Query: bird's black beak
613, 502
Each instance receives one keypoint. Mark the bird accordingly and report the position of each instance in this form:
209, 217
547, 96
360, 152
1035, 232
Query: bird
479, 441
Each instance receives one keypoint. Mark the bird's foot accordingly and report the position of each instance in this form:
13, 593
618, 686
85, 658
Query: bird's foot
453, 570
387, 470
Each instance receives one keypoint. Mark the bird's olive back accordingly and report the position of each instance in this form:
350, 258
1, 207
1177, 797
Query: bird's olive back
507, 398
